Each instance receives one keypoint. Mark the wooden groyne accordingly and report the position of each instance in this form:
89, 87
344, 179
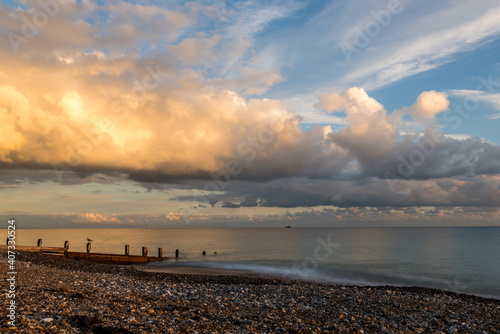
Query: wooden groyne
113, 258
39, 248
125, 258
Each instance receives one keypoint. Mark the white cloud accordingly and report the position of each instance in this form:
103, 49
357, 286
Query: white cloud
252, 17
429, 43
493, 99
424, 36
459, 136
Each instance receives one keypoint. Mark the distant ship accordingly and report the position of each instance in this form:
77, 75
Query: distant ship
288, 226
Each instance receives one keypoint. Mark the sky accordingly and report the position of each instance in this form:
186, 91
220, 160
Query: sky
249, 113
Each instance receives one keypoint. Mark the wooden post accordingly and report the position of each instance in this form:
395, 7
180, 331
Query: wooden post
66, 245
39, 243
204, 253
160, 252
88, 247
7, 241
144, 251
176, 253
127, 249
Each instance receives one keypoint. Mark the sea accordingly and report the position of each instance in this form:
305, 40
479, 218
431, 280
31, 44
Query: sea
459, 259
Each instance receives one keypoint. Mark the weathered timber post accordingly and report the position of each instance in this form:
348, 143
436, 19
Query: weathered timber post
66, 245
176, 253
204, 253
160, 252
88, 247
39, 243
144, 251
127, 250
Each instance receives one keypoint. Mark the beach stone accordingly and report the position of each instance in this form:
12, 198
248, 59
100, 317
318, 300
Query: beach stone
65, 323
95, 298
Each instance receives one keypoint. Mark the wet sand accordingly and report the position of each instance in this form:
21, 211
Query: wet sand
184, 270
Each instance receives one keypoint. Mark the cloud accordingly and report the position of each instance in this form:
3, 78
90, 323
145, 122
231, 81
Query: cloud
152, 95
381, 150
220, 137
7, 186
248, 80
93, 218
353, 101
230, 205
197, 50
321, 216
99, 111
424, 216
426, 42
171, 131
140, 22
371, 134
174, 216
428, 105
251, 17
249, 201
446, 192
474, 96
432, 156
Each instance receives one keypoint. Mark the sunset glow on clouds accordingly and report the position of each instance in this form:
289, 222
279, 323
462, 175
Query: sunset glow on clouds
131, 114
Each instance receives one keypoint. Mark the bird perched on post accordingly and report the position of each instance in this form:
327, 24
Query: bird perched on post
89, 240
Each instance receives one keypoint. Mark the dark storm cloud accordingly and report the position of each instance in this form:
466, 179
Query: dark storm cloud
28, 175
378, 193
429, 158
421, 172
249, 201
290, 197
230, 205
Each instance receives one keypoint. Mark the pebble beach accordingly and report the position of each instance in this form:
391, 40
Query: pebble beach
58, 295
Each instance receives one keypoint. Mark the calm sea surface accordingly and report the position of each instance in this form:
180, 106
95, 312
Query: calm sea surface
461, 259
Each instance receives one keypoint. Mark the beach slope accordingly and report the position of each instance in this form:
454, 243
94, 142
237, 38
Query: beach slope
57, 295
